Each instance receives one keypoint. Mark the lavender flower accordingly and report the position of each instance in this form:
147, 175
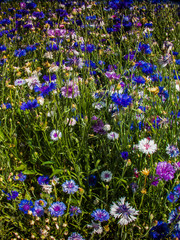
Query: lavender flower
74, 211
57, 209
100, 215
70, 187
71, 90
172, 150
165, 171
75, 236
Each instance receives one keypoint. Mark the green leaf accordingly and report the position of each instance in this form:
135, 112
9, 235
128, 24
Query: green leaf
29, 172
47, 162
57, 171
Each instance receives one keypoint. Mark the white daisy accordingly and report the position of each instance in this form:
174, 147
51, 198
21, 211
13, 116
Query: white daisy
147, 146
123, 211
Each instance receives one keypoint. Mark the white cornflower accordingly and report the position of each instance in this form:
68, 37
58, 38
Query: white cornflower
113, 135
123, 211
106, 176
107, 127
147, 146
19, 82
71, 121
47, 188
55, 135
97, 228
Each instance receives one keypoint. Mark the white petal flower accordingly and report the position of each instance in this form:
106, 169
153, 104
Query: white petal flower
147, 146
123, 211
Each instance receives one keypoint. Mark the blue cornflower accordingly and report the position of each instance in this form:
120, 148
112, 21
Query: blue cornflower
124, 155
25, 206
163, 94
172, 197
70, 187
45, 89
74, 211
6, 106
156, 77
172, 150
178, 61
122, 100
43, 180
2, 48
37, 211
29, 105
145, 48
12, 195
173, 216
176, 231
100, 215
41, 203
139, 79
20, 53
92, 180
57, 209
21, 177
159, 231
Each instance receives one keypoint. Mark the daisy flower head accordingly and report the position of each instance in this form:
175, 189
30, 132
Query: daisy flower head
70, 187
57, 209
75, 236
172, 150
123, 211
113, 136
55, 135
100, 215
106, 176
147, 146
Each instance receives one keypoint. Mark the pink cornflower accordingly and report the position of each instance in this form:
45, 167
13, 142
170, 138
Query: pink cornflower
71, 90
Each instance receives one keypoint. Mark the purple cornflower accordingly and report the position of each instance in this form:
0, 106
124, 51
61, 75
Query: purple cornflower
70, 187
165, 171
75, 236
71, 90
57, 209
172, 150
21, 177
42, 180
100, 215
74, 211
37, 211
98, 127
112, 75
25, 206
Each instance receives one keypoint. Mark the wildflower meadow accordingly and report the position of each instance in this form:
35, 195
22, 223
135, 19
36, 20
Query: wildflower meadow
89, 120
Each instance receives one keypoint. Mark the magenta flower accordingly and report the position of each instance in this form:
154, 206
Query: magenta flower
165, 171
